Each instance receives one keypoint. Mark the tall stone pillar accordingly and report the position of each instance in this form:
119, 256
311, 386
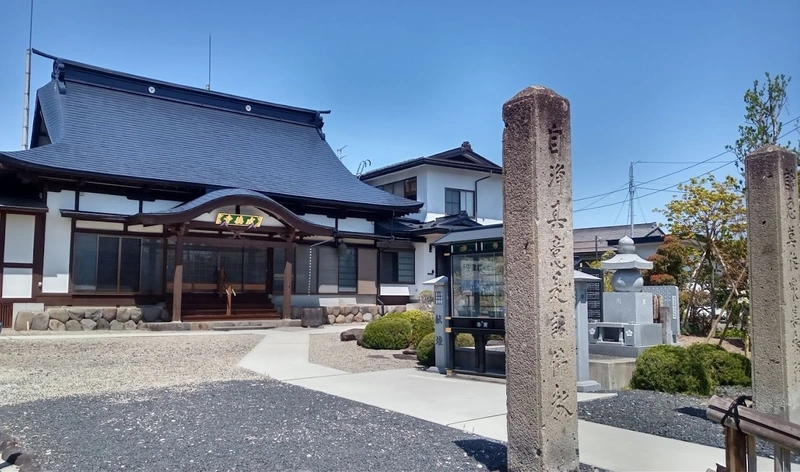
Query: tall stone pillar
774, 258
539, 288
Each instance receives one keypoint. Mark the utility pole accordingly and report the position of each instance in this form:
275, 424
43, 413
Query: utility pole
631, 192
27, 98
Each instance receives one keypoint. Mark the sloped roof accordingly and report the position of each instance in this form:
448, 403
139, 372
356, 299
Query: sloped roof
109, 124
462, 157
408, 226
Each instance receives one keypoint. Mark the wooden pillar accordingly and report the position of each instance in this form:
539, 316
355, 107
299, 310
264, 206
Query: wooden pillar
287, 283
177, 283
270, 271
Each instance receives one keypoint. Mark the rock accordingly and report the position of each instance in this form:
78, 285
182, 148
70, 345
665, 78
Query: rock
56, 325
58, 314
340, 319
94, 314
151, 314
164, 314
312, 318
88, 324
358, 318
76, 314
367, 317
109, 314
360, 342
331, 319
129, 325
353, 334
374, 310
135, 313
376, 317
123, 315
353, 310
335, 311
116, 325
349, 318
74, 325
22, 320
141, 325
40, 321
410, 352
103, 323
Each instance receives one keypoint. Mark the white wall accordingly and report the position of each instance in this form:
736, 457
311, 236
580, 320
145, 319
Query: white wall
490, 192
57, 235
158, 205
422, 185
19, 238
103, 203
358, 225
17, 283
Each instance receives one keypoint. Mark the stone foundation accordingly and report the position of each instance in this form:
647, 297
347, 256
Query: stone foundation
90, 318
350, 313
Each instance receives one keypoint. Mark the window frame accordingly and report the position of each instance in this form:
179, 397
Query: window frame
396, 269
406, 183
155, 240
316, 261
463, 203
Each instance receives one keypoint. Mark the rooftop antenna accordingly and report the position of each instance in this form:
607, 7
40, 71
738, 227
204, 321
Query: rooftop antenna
339, 152
208, 85
362, 166
26, 107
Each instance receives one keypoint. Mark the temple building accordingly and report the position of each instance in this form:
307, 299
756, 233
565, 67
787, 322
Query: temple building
137, 192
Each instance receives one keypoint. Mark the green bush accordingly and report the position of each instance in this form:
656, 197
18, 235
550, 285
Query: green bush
387, 333
421, 323
724, 367
671, 369
426, 349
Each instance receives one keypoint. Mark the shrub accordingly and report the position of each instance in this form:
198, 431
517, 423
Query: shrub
426, 349
387, 333
421, 323
671, 369
724, 367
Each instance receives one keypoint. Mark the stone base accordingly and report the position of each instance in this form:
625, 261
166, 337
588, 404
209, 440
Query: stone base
617, 350
588, 386
613, 373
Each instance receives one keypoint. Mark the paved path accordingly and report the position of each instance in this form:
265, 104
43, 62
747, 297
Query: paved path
468, 405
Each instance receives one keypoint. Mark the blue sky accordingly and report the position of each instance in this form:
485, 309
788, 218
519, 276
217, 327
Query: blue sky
658, 82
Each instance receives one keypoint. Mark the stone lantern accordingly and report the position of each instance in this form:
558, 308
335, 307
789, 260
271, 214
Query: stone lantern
627, 266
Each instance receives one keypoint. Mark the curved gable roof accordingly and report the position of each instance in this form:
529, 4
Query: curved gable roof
113, 125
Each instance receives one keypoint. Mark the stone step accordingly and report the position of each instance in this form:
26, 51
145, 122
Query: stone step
239, 327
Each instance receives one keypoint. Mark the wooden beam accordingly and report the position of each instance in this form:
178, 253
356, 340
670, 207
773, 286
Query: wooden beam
177, 282
232, 242
735, 450
752, 422
287, 278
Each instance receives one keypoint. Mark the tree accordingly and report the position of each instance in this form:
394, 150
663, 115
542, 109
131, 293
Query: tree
607, 287
669, 264
764, 106
711, 213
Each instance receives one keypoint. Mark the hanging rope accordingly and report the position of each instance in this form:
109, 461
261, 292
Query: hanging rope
733, 410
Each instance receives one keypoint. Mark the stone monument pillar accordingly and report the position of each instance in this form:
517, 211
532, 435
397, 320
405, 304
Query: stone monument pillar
585, 382
539, 288
773, 232
441, 311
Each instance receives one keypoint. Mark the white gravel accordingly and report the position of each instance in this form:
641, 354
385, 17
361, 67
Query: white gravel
329, 351
36, 369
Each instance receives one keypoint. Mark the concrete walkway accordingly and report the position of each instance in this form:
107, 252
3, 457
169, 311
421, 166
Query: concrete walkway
472, 406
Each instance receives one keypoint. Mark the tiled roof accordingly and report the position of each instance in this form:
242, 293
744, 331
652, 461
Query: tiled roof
462, 157
443, 224
108, 124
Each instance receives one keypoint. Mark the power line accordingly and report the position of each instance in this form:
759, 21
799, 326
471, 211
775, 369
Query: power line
602, 197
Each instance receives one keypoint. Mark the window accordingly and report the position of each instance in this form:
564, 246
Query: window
117, 263
404, 188
397, 267
456, 201
326, 269
245, 268
477, 285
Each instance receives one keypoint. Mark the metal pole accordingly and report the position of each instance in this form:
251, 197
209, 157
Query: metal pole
27, 95
596, 253
631, 191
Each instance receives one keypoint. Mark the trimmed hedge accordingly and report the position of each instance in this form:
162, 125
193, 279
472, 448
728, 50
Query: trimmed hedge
426, 350
387, 333
421, 323
698, 369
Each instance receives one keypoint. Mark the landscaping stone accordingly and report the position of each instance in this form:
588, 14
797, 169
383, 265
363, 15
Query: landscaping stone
136, 314
312, 318
58, 314
376, 317
367, 317
340, 319
335, 311
22, 320
76, 314
353, 334
374, 310
88, 324
349, 318
123, 315
164, 314
73, 325
56, 325
116, 325
93, 314
150, 314
129, 325
109, 314
331, 319
103, 323
40, 322
358, 318
141, 325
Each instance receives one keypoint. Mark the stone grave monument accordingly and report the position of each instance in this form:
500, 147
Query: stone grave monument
627, 328
542, 400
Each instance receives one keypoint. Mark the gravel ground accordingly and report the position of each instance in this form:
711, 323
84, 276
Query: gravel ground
679, 417
328, 350
33, 369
